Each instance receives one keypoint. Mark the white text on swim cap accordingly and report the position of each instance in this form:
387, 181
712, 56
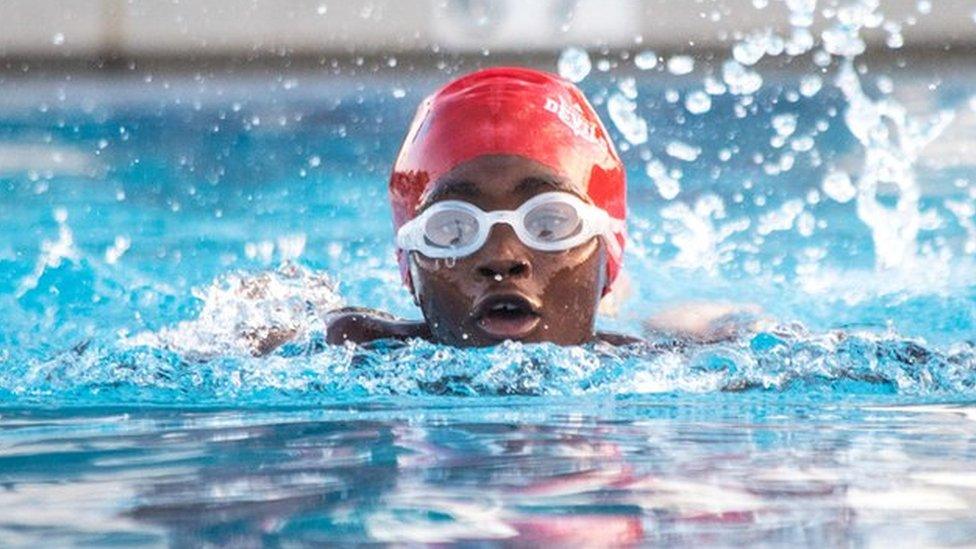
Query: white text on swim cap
572, 117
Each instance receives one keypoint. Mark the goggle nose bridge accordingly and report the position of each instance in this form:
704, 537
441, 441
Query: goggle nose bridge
508, 217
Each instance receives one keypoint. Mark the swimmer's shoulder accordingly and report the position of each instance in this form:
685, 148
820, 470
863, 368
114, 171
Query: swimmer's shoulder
618, 340
364, 325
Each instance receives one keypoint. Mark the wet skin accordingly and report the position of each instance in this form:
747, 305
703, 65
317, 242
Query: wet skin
505, 290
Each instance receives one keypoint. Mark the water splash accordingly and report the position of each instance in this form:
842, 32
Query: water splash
245, 314
883, 189
700, 232
53, 254
777, 359
892, 141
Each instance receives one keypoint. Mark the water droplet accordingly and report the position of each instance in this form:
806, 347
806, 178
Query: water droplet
315, 161
821, 58
625, 118
837, 185
842, 41
645, 60
810, 85
751, 49
681, 64
894, 39
800, 42
574, 64
784, 124
683, 151
713, 86
740, 80
698, 102
667, 186
805, 224
801, 12
802, 144
628, 87
885, 84
498, 278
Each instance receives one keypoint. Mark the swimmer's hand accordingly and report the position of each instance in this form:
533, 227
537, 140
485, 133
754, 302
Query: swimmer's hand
362, 325
705, 322
261, 341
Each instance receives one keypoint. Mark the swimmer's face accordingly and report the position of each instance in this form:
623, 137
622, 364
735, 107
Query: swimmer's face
506, 290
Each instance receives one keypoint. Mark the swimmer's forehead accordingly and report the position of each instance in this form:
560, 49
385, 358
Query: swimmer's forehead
497, 183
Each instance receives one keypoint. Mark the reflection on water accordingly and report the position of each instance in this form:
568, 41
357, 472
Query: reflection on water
669, 469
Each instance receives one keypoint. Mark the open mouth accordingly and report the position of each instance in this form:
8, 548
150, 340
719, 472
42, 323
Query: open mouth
509, 316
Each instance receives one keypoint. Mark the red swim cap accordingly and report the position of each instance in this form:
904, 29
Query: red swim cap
516, 111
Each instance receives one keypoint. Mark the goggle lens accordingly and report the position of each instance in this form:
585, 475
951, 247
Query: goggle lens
451, 228
553, 222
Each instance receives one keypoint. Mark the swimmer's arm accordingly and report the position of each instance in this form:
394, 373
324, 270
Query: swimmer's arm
705, 322
355, 324
617, 340
262, 341
361, 325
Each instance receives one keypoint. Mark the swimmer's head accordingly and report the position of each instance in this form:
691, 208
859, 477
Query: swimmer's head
495, 140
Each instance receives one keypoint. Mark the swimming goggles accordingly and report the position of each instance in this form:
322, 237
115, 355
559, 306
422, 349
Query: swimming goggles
548, 222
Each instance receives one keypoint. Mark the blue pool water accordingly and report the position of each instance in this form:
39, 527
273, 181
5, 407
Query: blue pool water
151, 221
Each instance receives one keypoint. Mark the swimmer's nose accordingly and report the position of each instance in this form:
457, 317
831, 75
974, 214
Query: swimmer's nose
503, 256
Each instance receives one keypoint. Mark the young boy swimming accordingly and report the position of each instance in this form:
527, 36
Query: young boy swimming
509, 203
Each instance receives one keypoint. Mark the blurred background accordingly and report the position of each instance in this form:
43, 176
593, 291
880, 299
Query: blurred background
100, 32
